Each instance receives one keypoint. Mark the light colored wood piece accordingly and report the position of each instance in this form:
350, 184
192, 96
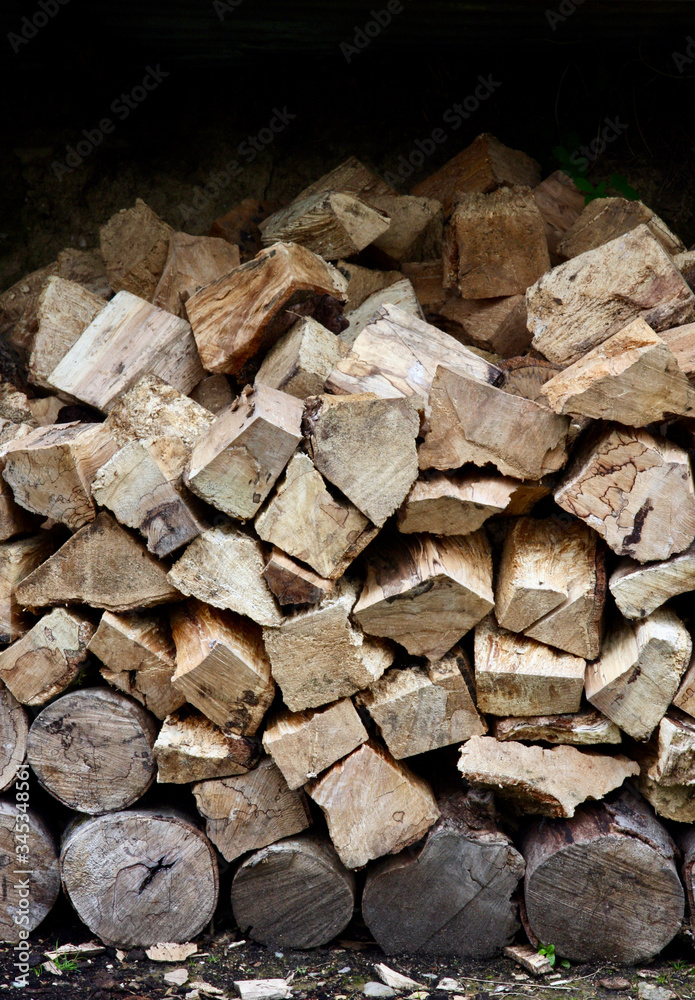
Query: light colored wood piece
302, 359
263, 989
45, 409
681, 342
672, 802
373, 805
675, 755
560, 203
685, 696
605, 219
250, 811
134, 245
64, 311
40, 887
639, 670
14, 730
454, 505
18, 559
214, 393
528, 958
638, 590
427, 592
328, 223
292, 583
189, 747
400, 294
635, 490
48, 658
578, 305
585, 728
221, 666
305, 743
548, 782
192, 263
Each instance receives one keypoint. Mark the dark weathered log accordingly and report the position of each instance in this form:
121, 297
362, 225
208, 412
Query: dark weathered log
14, 730
687, 847
23, 907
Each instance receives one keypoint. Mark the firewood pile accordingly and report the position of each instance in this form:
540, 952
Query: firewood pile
349, 544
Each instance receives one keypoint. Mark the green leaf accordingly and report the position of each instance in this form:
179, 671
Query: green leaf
565, 964
621, 184
584, 185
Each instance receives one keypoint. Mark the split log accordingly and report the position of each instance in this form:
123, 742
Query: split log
92, 750
15, 408
635, 490
495, 325
51, 470
560, 202
87, 268
681, 342
14, 520
303, 519
151, 409
301, 361
14, 730
328, 223
672, 802
292, 583
454, 505
453, 896
214, 393
295, 894
495, 244
401, 294
363, 282
240, 225
352, 177
189, 747
674, 763
685, 262
48, 658
605, 219
139, 658
427, 592
46, 410
632, 904
318, 655
685, 696
418, 709
18, 308
17, 560
398, 355
578, 305
123, 871
585, 728
471, 421
192, 263
638, 590
414, 233
224, 567
134, 245
221, 666
632, 378
519, 676
687, 846
639, 671
129, 338
64, 311
246, 312
305, 743
26, 898
235, 464
527, 495
548, 782
373, 805
251, 810
103, 565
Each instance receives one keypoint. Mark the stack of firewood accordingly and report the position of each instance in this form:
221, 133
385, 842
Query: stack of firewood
366, 518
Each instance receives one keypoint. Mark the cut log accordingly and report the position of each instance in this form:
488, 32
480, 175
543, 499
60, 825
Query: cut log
14, 730
526, 956
240, 225
305, 743
675, 753
328, 223
533, 780
129, 338
519, 676
14, 520
495, 325
224, 567
102, 565
454, 505
250, 811
527, 495
363, 282
373, 805
580, 304
427, 592
221, 666
189, 747
586, 728
401, 294
366, 447
139, 659
352, 177
18, 309
605, 219
560, 202
681, 342
301, 361
418, 709
303, 519
87, 268
685, 262
687, 846
453, 896
635, 490
685, 696
45, 410
246, 312
48, 658
64, 311
318, 655
397, 355
292, 583
214, 393
14, 407
674, 802
295, 894
632, 378
134, 245
415, 230
121, 873
638, 590
17, 560
235, 464
92, 750
630, 907
26, 898
192, 263
51, 470
639, 671
495, 244
474, 422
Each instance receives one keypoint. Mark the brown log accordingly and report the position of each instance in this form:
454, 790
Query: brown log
415, 231
495, 325
192, 263
584, 728
454, 505
454, 895
87, 268
329, 223
40, 887
638, 590
295, 894
92, 750
64, 311
17, 560
14, 730
189, 747
18, 308
674, 763
134, 245
363, 282
609, 916
292, 583
240, 225
45, 409
122, 871
605, 219
302, 359
560, 203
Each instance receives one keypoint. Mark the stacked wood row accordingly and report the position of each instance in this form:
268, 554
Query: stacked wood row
370, 520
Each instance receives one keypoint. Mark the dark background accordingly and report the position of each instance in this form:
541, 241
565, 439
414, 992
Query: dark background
229, 68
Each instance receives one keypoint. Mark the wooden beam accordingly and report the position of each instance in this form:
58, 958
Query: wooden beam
400, 294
